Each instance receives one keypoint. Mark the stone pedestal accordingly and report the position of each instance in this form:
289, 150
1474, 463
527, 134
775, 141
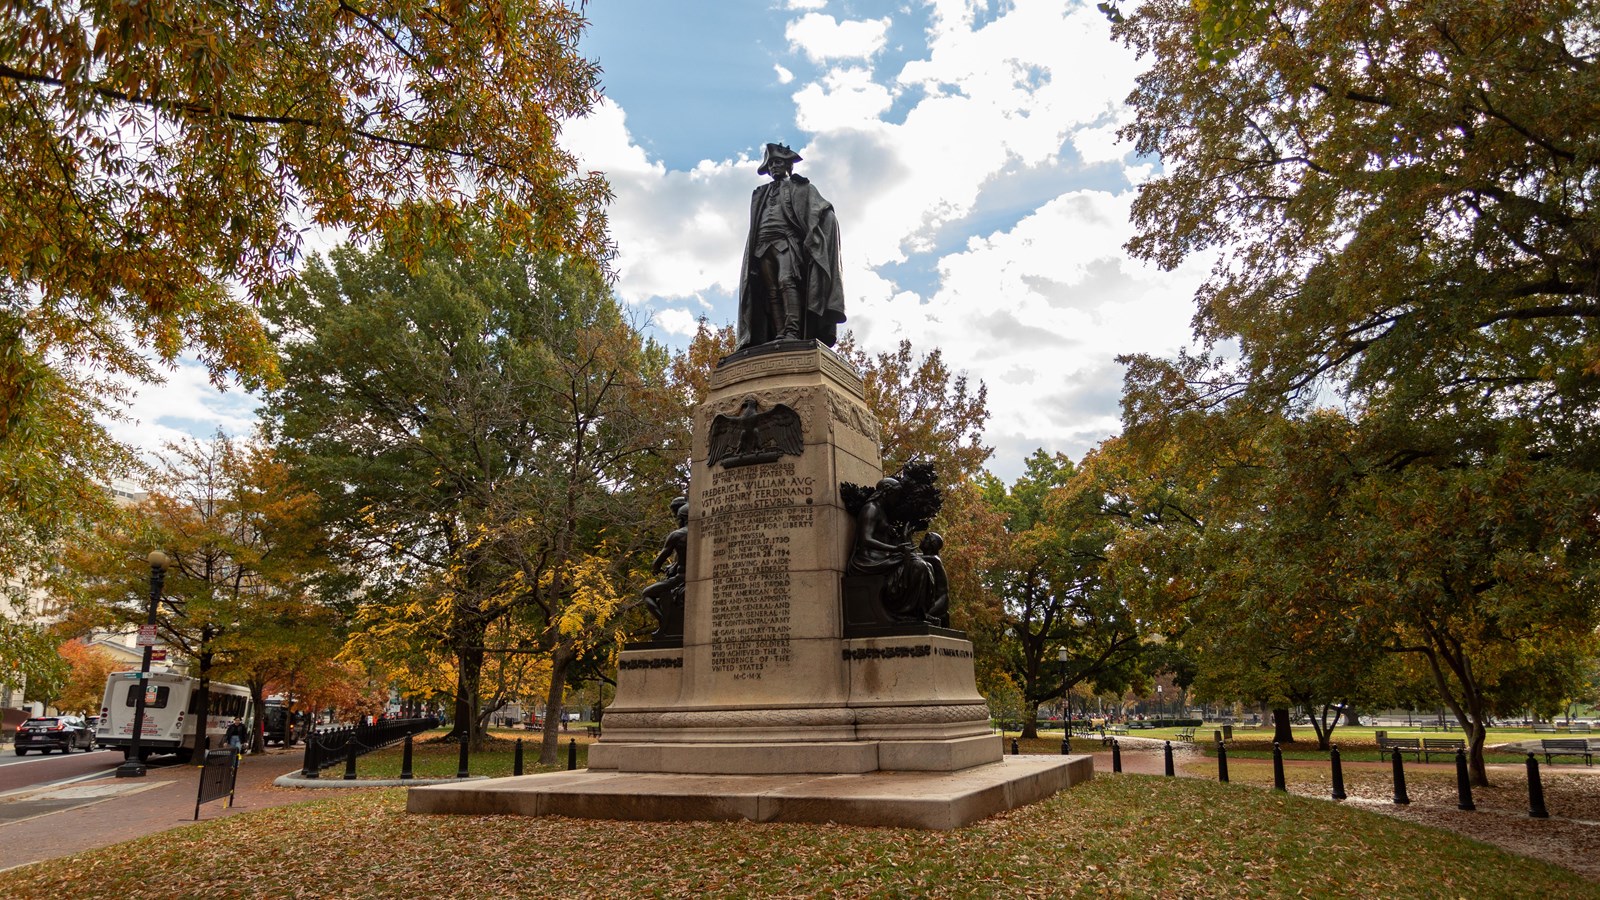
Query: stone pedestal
770, 681
765, 661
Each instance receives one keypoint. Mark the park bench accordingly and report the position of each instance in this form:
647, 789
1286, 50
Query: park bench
1544, 728
1387, 745
594, 730
1567, 747
1187, 734
1579, 728
1447, 746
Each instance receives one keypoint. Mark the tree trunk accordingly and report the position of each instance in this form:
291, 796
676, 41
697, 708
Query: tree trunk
203, 694
258, 696
1280, 727
1319, 725
1030, 720
469, 670
561, 659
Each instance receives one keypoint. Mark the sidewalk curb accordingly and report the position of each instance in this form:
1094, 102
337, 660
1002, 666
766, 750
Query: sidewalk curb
296, 780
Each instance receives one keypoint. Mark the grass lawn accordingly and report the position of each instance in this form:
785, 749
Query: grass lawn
434, 757
1117, 835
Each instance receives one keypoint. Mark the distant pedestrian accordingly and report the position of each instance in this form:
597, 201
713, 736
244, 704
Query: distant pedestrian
236, 734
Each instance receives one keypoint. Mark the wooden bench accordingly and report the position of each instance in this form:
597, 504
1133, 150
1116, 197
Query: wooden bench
1567, 747
1387, 745
594, 730
1544, 728
1580, 728
1447, 746
1187, 734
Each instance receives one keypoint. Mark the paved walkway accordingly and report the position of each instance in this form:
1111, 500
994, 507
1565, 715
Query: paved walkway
54, 822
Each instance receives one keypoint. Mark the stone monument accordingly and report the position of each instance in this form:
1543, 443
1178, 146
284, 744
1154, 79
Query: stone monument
814, 677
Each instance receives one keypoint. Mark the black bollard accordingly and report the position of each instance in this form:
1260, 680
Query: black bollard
1536, 808
1066, 742
461, 764
572, 755
1015, 751
1463, 783
1400, 797
1222, 761
516, 759
1277, 768
405, 760
1116, 755
1338, 773
350, 761
1168, 754
312, 768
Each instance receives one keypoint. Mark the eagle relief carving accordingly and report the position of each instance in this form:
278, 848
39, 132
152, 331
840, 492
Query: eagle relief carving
752, 436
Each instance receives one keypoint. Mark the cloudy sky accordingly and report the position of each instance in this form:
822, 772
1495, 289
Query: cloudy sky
968, 146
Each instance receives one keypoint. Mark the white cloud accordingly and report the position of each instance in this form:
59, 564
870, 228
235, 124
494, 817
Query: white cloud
844, 99
784, 75
676, 321
1038, 312
1040, 298
807, 4
185, 405
822, 37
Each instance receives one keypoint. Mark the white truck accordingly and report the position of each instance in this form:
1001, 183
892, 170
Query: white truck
171, 713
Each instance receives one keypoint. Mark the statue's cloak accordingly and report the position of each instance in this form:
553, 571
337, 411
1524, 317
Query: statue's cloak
810, 215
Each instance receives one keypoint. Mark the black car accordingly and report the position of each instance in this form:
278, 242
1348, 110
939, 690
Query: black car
48, 733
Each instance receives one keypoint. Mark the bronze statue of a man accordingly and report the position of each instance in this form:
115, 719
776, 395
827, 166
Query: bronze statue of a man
789, 288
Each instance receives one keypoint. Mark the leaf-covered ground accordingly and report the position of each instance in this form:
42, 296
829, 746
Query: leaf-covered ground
1118, 836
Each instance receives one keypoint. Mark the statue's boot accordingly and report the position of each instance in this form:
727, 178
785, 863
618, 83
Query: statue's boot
791, 313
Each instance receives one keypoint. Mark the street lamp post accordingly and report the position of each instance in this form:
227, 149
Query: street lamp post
132, 766
1066, 707
1161, 704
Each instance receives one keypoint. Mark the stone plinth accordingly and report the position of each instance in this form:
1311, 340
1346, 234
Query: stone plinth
897, 799
764, 661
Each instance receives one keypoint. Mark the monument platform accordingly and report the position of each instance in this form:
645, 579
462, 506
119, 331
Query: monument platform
929, 800
776, 701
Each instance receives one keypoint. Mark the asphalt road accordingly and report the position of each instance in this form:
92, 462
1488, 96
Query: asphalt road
22, 772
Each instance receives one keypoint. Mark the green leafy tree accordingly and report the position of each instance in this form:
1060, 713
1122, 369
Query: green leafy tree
1403, 199
1063, 621
1310, 543
494, 436
1406, 192
160, 155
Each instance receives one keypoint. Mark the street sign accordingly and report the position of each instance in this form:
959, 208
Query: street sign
132, 674
147, 636
159, 654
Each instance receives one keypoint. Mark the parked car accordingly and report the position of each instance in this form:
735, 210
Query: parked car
47, 733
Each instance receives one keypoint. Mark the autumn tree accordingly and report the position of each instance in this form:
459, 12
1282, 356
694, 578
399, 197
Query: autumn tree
164, 160
1295, 550
251, 590
492, 433
1403, 199
88, 668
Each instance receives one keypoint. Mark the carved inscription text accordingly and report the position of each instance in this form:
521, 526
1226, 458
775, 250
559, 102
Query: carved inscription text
751, 557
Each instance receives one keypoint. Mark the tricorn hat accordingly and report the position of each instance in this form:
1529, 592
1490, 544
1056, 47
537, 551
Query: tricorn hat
777, 152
